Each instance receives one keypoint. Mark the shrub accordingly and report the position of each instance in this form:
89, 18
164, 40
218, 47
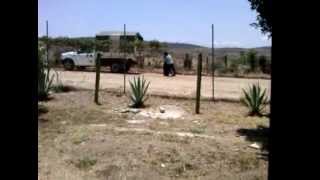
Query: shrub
45, 78
252, 59
139, 89
255, 99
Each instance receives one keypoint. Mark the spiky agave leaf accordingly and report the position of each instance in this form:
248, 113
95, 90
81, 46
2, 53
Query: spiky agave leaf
138, 91
255, 99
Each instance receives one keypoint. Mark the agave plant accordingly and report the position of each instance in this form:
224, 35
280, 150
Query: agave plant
139, 88
255, 99
45, 78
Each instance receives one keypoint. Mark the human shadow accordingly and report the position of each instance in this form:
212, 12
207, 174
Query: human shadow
259, 134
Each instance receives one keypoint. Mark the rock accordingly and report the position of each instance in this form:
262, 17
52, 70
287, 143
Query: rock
136, 121
255, 146
162, 110
124, 111
63, 122
134, 110
162, 165
98, 125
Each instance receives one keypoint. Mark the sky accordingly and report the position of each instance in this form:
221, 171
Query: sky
184, 21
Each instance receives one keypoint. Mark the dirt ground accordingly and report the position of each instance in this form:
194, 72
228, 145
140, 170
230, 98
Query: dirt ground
180, 85
79, 140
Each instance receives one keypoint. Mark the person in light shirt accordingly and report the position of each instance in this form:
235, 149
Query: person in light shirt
168, 66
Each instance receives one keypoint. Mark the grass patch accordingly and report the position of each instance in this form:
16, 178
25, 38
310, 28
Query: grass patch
244, 162
85, 163
174, 139
198, 130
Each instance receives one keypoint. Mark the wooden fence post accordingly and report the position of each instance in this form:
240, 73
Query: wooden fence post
199, 72
96, 92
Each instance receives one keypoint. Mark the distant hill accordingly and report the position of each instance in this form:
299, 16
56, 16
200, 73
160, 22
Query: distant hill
181, 45
182, 48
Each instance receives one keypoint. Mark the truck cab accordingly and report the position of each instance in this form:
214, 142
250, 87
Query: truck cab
114, 57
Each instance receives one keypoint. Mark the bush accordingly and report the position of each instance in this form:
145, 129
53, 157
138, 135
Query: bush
138, 91
255, 99
252, 59
45, 78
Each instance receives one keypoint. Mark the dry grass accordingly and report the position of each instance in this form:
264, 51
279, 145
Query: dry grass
80, 140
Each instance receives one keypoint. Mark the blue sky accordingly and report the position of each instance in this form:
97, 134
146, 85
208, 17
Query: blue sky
187, 21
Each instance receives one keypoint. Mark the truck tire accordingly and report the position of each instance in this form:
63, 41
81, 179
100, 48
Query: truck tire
68, 64
128, 67
116, 68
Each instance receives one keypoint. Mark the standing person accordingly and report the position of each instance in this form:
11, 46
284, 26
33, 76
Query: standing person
170, 63
165, 64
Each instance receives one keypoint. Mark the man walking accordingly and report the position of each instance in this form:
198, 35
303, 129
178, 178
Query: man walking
169, 65
165, 64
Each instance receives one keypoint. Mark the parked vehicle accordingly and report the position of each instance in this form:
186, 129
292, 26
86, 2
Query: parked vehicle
117, 61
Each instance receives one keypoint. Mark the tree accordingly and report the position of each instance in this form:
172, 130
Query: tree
226, 61
242, 58
139, 45
263, 63
263, 9
252, 58
155, 46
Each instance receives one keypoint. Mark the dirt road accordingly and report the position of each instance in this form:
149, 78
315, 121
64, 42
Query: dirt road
180, 85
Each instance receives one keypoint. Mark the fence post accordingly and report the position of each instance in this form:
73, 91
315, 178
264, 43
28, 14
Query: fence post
47, 43
125, 60
207, 64
199, 72
96, 92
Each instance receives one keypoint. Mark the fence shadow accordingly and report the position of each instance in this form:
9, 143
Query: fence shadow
260, 135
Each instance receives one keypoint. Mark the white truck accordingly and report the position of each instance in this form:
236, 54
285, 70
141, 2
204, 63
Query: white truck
117, 61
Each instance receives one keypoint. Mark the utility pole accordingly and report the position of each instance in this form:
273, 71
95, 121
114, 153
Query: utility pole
212, 64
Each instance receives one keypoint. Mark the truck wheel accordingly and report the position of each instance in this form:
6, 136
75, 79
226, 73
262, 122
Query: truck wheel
128, 67
116, 68
68, 64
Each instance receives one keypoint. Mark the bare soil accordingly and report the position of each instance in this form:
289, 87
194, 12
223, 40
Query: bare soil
80, 140
180, 86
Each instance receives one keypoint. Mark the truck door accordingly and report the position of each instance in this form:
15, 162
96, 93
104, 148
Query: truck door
85, 59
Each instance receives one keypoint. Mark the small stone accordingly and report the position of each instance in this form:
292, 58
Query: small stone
63, 122
136, 121
124, 111
255, 146
162, 165
98, 125
162, 110
134, 110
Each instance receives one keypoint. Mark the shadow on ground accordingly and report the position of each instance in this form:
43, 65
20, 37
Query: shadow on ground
103, 71
259, 135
